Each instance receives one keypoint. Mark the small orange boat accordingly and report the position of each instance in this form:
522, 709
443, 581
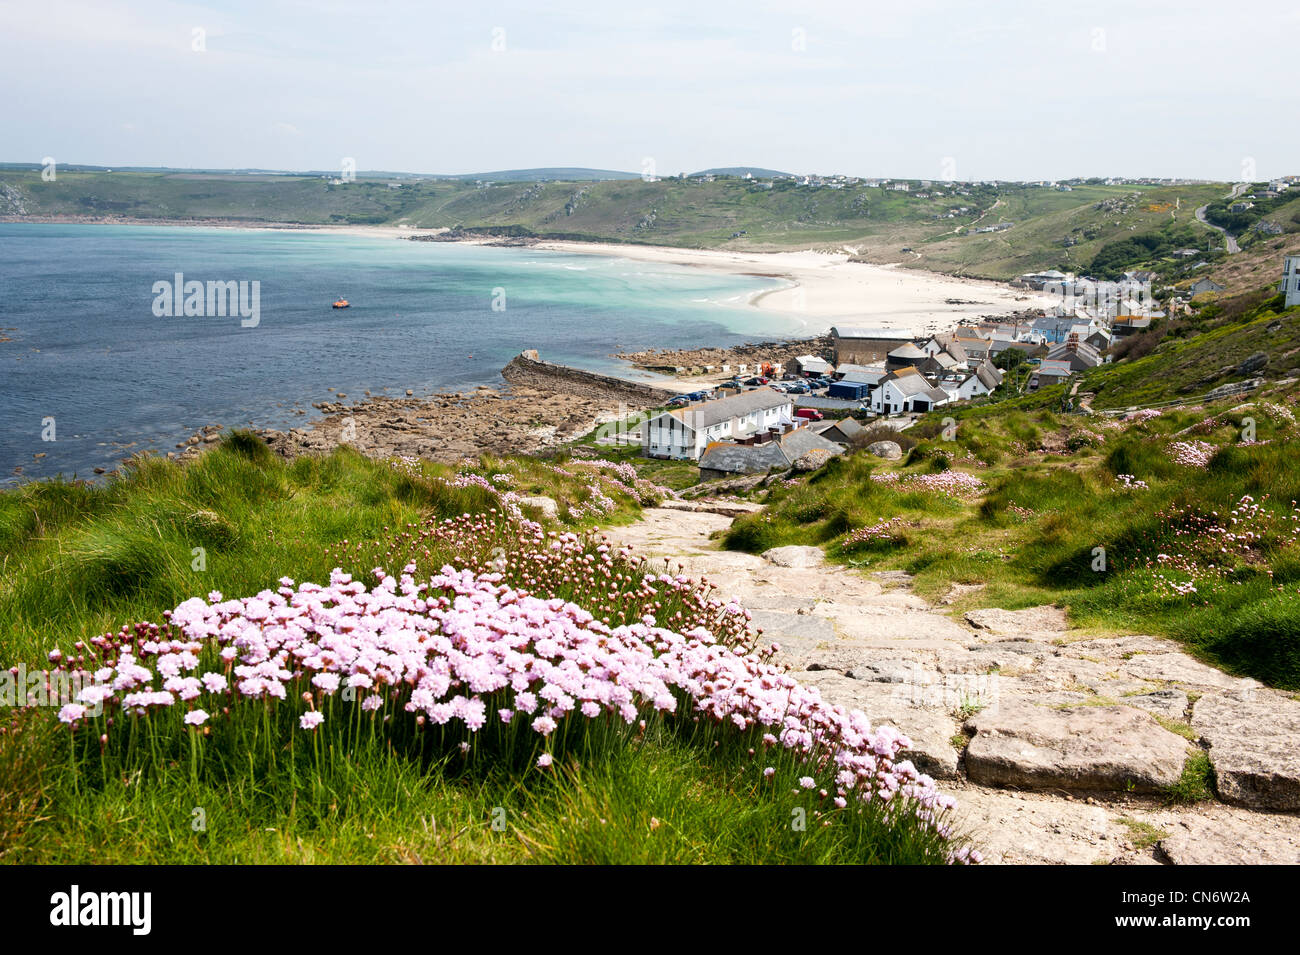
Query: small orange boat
342, 303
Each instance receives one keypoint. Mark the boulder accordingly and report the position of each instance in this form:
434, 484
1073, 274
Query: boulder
1252, 737
1116, 748
889, 450
1254, 363
811, 460
546, 505
795, 555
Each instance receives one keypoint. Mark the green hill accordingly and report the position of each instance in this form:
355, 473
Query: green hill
1037, 226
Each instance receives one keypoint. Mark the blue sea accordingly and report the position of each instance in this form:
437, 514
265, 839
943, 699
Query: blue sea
86, 349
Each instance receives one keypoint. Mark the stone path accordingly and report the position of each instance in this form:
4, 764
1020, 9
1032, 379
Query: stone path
1057, 748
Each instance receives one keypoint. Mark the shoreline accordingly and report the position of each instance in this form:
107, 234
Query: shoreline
823, 288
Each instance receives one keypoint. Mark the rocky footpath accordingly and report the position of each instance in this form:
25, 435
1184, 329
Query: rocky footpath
1058, 746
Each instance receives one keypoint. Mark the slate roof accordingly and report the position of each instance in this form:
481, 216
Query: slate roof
908, 352
1054, 369
913, 384
705, 414
989, 375
872, 332
847, 427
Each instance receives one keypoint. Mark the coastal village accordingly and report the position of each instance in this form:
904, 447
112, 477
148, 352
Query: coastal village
797, 411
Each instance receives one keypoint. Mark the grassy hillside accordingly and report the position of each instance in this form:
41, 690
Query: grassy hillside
1191, 511
236, 773
1240, 337
1048, 227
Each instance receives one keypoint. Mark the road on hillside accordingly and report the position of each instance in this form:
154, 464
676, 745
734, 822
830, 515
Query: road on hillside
1237, 190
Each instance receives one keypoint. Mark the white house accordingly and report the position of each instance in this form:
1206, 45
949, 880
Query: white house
909, 391
686, 432
982, 381
1291, 280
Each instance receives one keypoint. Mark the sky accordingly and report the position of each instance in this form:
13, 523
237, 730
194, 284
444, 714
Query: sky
1001, 89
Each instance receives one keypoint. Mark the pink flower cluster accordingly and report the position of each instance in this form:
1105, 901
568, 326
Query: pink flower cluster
461, 651
884, 530
1205, 549
1143, 414
953, 483
1192, 454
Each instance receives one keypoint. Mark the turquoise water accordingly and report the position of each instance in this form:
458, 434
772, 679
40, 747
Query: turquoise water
88, 351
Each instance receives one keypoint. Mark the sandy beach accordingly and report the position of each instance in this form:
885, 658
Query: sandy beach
827, 289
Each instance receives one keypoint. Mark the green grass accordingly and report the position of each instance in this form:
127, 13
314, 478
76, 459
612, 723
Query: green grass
1196, 783
81, 560
1143, 835
1032, 534
655, 800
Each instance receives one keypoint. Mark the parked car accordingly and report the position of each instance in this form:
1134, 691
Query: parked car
756, 381
678, 401
799, 388
809, 414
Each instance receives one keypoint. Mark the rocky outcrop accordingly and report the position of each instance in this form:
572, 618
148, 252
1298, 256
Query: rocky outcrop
527, 368
889, 450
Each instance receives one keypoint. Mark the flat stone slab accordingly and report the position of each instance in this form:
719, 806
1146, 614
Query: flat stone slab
1254, 739
1013, 828
1085, 747
1223, 836
795, 555
930, 729
1171, 704
1017, 623
1178, 668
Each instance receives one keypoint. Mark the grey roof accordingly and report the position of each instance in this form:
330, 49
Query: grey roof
1066, 351
945, 360
778, 453
812, 361
988, 374
846, 426
907, 351
861, 378
705, 414
934, 394
743, 458
872, 332
835, 404
909, 385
